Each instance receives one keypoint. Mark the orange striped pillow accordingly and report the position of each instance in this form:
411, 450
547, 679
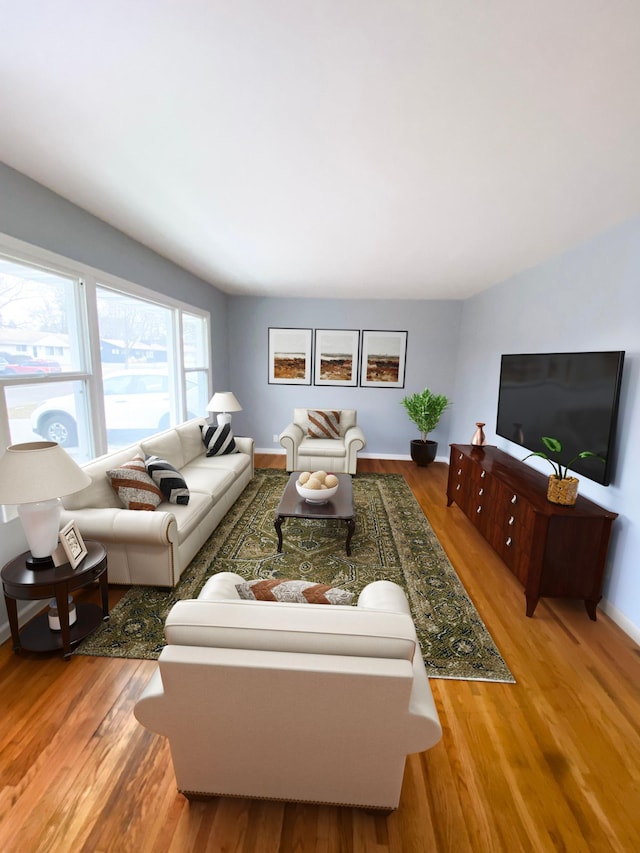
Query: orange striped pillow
301, 592
134, 486
323, 423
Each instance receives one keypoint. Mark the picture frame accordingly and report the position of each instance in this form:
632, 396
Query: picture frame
335, 357
72, 544
383, 359
290, 356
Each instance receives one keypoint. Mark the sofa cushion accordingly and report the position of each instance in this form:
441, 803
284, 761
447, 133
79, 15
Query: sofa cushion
170, 482
134, 486
323, 423
100, 494
218, 440
211, 481
283, 589
166, 445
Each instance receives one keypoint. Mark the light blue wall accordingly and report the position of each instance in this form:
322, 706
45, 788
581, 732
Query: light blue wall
432, 329
585, 299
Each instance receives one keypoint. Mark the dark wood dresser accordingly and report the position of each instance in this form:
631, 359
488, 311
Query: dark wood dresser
553, 550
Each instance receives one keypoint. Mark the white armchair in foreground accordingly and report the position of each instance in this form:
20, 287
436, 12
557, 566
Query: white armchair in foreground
303, 702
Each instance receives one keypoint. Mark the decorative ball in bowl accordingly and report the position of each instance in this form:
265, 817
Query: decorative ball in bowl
316, 487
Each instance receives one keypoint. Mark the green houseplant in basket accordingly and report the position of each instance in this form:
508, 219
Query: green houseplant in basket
425, 409
563, 488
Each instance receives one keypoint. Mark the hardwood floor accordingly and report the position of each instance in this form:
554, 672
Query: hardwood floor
550, 763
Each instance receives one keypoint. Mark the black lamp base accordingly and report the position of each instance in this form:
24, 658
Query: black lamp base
36, 563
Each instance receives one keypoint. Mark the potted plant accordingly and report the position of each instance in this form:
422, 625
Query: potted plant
424, 409
562, 489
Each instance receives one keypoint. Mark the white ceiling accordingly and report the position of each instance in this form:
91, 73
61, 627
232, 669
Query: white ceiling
348, 148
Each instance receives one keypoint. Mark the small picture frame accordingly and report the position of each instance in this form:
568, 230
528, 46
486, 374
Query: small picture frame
73, 544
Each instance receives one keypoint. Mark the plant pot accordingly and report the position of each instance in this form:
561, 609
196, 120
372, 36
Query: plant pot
563, 492
423, 452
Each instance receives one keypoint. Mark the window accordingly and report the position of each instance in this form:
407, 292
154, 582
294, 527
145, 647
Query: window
143, 363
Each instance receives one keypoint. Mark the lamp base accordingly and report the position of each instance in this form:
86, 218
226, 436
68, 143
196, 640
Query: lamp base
36, 563
223, 418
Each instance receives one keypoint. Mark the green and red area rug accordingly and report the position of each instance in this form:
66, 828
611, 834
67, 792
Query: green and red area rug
393, 540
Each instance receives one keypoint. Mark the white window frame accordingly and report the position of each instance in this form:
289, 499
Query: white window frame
87, 327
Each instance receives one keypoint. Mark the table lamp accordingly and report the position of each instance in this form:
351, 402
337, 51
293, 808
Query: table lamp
33, 476
223, 402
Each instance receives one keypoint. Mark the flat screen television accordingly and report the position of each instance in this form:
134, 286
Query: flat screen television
571, 396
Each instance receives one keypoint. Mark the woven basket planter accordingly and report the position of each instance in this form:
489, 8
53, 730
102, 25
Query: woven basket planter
563, 492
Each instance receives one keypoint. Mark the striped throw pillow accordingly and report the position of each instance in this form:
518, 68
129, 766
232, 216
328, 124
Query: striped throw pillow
134, 486
170, 481
218, 440
282, 589
322, 423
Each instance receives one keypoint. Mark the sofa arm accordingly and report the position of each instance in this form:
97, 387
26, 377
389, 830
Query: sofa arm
384, 595
110, 524
290, 439
246, 445
354, 441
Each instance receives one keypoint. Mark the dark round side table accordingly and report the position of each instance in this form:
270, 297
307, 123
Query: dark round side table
20, 583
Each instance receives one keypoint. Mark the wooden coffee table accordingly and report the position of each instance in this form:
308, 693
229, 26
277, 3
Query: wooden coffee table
340, 507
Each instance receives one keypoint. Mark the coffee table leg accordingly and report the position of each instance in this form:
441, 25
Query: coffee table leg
351, 526
278, 526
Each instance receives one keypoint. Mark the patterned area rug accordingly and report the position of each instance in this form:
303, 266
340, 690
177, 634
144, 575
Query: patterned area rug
393, 540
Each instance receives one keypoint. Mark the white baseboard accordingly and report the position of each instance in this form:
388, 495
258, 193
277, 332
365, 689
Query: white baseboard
403, 456
621, 620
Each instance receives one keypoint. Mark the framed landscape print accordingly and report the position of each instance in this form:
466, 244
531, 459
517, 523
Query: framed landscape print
383, 359
336, 357
290, 356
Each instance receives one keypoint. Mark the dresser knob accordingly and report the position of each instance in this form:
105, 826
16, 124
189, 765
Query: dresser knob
483, 475
459, 455
508, 542
514, 499
479, 510
480, 493
458, 487
459, 470
511, 520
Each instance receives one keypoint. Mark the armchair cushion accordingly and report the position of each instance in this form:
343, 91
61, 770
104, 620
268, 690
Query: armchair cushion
323, 423
282, 589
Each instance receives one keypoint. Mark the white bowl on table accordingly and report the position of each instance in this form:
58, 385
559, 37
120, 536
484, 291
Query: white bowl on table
316, 496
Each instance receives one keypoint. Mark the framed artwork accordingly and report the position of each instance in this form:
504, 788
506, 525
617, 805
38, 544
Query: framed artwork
73, 544
383, 360
290, 356
336, 357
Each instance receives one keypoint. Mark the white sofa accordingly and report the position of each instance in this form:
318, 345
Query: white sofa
338, 455
302, 702
154, 548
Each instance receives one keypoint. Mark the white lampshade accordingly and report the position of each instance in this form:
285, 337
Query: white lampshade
224, 402
34, 476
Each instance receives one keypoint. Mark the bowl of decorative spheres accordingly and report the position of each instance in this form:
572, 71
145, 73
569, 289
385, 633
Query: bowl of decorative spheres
316, 496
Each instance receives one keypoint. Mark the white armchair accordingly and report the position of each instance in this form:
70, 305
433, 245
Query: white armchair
336, 452
308, 702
